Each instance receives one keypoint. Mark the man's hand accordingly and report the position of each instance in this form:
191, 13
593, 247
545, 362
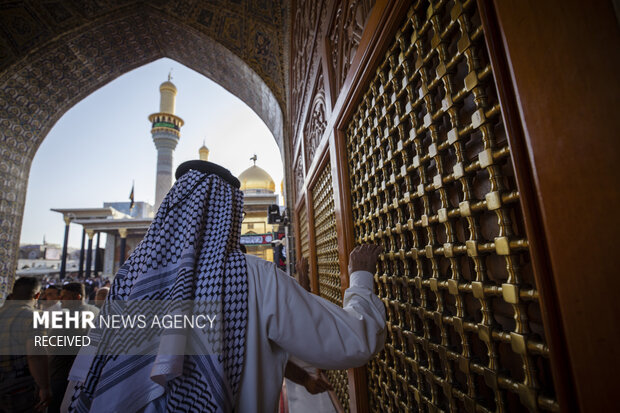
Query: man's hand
364, 258
315, 384
302, 269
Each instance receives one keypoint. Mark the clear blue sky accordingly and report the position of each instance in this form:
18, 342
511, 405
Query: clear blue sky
100, 145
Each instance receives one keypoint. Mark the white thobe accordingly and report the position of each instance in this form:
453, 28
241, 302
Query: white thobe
284, 319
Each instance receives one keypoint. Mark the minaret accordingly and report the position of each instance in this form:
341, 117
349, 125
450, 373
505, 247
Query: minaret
166, 133
203, 152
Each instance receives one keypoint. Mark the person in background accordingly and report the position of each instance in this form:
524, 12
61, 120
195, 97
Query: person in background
50, 299
24, 382
72, 298
100, 296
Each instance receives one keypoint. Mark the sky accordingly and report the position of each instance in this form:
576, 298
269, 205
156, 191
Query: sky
102, 144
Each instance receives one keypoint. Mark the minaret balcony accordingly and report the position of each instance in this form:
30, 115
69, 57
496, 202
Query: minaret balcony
166, 120
166, 125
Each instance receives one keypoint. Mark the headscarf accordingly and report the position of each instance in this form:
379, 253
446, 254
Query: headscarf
190, 252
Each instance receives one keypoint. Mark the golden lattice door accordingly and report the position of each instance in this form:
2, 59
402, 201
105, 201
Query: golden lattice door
432, 181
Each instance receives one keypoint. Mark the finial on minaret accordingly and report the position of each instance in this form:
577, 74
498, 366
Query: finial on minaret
254, 158
203, 152
170, 75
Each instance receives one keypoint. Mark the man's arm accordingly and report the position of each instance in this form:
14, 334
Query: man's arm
314, 384
318, 331
37, 364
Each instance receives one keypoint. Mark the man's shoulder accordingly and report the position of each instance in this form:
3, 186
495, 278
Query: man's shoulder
253, 259
17, 309
258, 264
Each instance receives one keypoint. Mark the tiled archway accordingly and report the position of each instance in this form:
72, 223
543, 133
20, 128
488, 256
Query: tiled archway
38, 88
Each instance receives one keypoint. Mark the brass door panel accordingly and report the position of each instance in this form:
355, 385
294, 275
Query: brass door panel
328, 267
432, 181
303, 232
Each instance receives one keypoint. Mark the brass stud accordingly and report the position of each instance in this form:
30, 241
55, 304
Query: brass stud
416, 161
453, 136
502, 246
472, 247
510, 293
424, 220
458, 170
485, 158
442, 214
494, 200
437, 183
477, 289
478, 118
427, 120
453, 287
432, 149
484, 333
517, 342
465, 209
471, 81
428, 250
421, 190
433, 284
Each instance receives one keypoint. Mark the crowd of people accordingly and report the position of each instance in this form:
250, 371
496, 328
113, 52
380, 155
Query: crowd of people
91, 286
36, 380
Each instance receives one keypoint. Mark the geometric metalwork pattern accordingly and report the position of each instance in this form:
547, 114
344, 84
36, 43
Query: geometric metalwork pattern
328, 267
326, 239
433, 182
340, 383
303, 232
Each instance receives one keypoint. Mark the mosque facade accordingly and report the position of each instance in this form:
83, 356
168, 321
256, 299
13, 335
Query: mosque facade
257, 234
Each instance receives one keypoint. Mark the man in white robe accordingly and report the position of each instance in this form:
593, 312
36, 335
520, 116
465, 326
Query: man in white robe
268, 315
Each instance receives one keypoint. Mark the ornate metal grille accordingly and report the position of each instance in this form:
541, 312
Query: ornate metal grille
432, 181
303, 232
327, 263
326, 238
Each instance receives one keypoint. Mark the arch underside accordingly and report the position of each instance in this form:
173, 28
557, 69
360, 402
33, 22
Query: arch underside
36, 91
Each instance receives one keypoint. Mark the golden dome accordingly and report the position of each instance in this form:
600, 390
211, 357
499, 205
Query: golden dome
256, 178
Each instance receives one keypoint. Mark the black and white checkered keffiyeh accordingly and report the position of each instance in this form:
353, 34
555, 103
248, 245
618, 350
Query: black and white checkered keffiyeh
190, 252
